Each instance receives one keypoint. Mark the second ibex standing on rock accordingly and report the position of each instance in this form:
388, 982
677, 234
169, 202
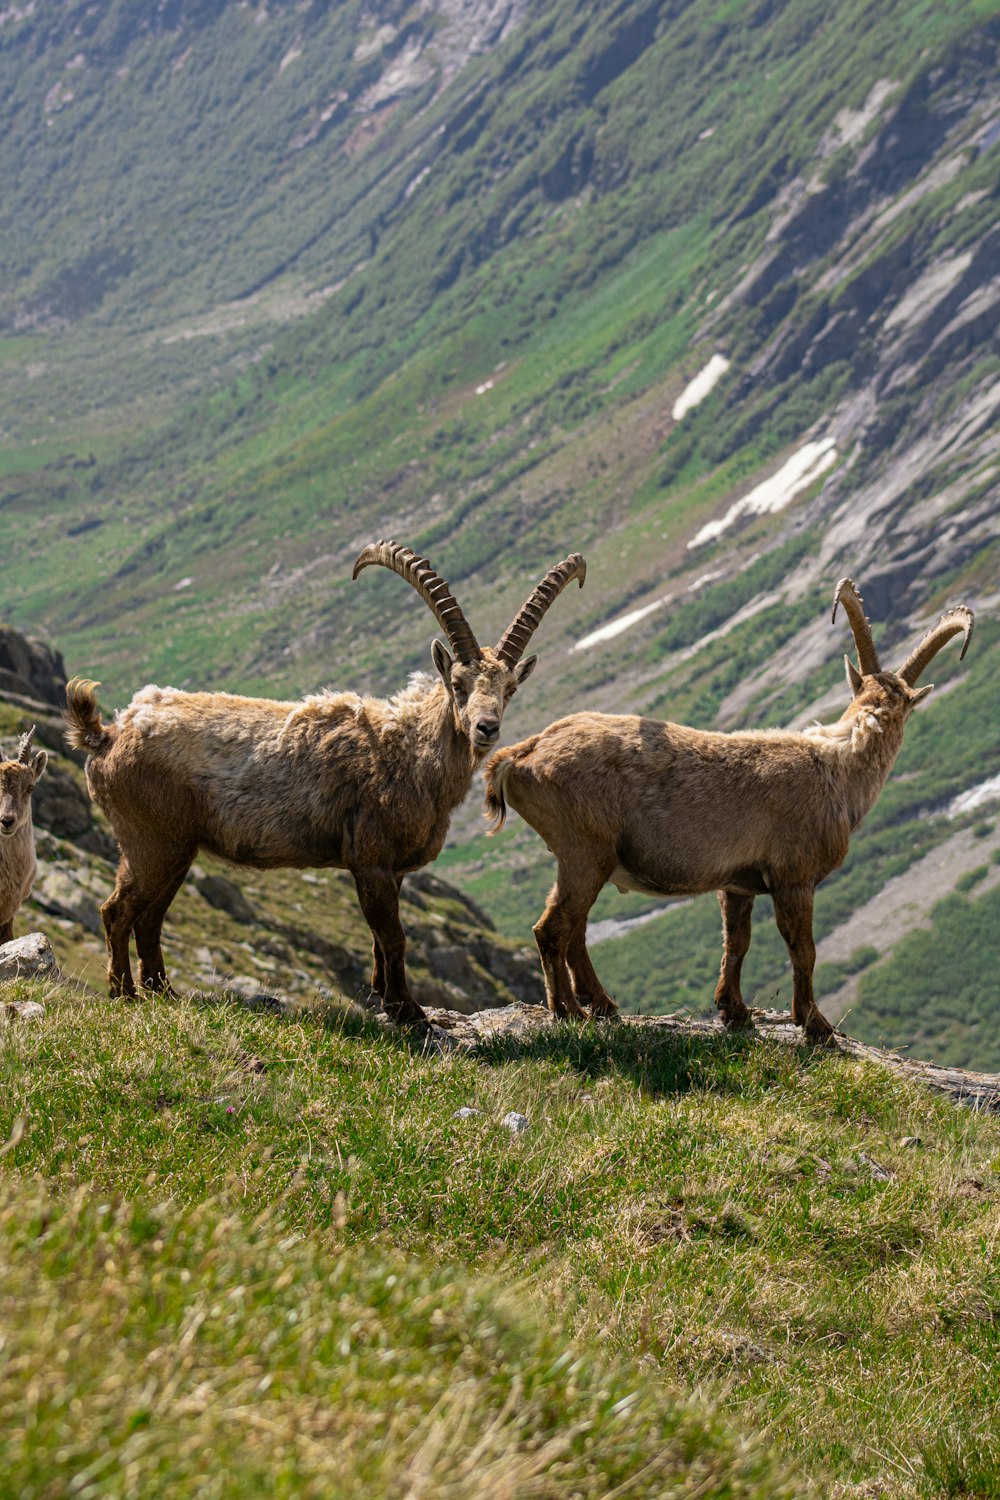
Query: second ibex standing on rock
670, 811
363, 784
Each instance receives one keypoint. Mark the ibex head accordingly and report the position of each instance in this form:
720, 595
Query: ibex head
17, 782
892, 695
480, 680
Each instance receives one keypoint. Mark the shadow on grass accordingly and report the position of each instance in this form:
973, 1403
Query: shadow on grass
345, 1018
662, 1062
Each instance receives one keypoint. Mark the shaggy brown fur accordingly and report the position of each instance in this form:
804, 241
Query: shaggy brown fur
17, 836
362, 784
671, 811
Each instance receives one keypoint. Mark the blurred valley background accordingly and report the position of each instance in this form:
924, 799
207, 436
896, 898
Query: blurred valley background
710, 293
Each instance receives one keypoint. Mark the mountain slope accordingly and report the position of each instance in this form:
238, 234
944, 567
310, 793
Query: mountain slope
465, 312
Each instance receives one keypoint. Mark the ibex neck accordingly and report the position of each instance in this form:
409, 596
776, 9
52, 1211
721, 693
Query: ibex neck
445, 760
865, 761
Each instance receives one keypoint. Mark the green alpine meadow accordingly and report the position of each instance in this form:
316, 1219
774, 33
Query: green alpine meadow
708, 294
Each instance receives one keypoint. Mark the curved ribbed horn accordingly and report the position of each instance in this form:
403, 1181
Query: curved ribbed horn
847, 595
432, 589
511, 645
950, 623
24, 745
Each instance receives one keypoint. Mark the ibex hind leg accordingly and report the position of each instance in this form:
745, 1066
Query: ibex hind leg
736, 927
562, 926
6, 931
148, 927
118, 914
588, 988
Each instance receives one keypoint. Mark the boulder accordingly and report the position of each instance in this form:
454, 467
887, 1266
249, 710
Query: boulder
225, 895
61, 804
28, 957
31, 668
59, 893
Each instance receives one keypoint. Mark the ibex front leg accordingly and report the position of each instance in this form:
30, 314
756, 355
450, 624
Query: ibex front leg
736, 913
793, 910
378, 895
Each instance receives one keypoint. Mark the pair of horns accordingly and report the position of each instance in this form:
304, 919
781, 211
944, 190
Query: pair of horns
445, 608
954, 620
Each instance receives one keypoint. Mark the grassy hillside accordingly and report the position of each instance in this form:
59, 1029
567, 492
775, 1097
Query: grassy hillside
240, 1251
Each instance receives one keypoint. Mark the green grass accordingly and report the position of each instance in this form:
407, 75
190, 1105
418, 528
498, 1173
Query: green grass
278, 1240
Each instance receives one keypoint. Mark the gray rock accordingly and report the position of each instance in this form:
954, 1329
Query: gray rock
467, 1112
225, 896
31, 668
28, 957
880, 1173
61, 804
25, 1010
60, 894
253, 996
515, 1122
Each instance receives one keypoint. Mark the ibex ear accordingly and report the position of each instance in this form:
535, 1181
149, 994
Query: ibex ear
921, 694
442, 661
853, 677
524, 669
39, 763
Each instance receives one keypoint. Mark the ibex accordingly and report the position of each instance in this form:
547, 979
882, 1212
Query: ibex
17, 836
670, 811
363, 784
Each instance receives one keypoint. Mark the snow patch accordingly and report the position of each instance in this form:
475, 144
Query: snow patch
805, 466
616, 627
976, 796
702, 385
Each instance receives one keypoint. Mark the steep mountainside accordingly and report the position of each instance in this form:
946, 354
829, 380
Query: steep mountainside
708, 293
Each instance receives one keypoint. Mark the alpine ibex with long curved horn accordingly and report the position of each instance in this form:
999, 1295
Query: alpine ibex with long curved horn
670, 811
17, 835
363, 784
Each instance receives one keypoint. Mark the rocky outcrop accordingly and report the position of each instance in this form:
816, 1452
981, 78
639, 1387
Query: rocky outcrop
520, 1025
28, 957
31, 669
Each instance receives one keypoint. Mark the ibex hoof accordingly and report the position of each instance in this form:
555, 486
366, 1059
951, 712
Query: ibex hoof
818, 1029
409, 1016
736, 1020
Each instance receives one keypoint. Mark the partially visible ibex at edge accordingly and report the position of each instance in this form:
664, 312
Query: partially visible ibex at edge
17, 835
671, 811
363, 784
